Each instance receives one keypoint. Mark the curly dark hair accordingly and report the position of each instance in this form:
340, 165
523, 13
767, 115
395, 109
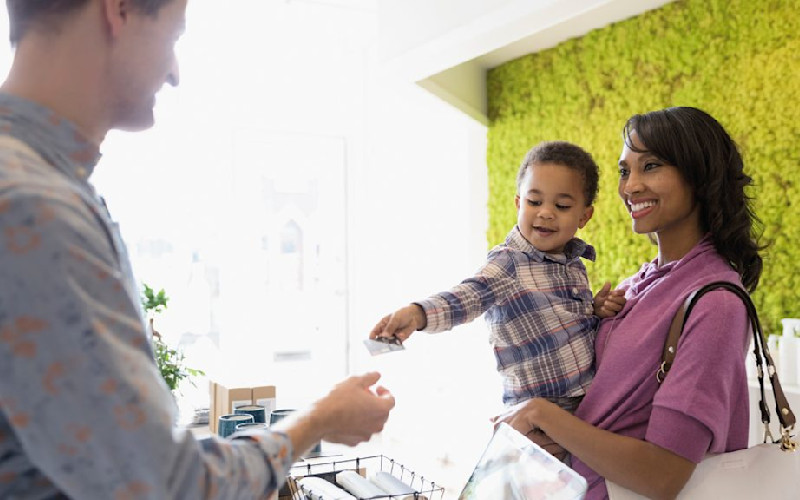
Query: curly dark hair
568, 155
708, 159
23, 14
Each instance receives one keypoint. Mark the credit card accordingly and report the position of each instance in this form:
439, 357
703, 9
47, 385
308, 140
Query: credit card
382, 345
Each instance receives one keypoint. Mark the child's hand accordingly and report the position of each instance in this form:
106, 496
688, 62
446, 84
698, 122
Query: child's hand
608, 302
401, 323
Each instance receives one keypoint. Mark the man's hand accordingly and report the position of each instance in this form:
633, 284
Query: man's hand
401, 323
608, 302
350, 414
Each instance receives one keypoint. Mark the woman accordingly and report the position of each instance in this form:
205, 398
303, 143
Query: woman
681, 179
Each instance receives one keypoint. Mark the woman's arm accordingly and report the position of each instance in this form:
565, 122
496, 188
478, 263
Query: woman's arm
637, 465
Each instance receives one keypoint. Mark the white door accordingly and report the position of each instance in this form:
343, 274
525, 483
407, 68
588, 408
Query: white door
283, 292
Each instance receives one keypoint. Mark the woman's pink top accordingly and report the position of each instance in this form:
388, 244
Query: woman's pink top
702, 406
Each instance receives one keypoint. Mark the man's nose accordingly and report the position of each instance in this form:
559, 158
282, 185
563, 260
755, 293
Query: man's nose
174, 76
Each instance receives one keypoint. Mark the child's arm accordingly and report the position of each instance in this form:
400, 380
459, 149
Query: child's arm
608, 302
492, 283
401, 323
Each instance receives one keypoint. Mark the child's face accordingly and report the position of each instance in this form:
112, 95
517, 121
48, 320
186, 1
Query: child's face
551, 206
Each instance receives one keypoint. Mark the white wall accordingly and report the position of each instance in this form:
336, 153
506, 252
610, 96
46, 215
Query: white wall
419, 227
406, 24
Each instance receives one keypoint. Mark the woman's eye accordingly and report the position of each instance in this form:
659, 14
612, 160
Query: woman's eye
623, 172
650, 166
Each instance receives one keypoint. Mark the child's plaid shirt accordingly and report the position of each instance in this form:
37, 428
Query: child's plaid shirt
539, 310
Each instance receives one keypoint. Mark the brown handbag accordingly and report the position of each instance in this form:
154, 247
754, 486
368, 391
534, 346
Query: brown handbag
760, 350
767, 470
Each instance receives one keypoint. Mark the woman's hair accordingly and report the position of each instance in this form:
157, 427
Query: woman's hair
708, 159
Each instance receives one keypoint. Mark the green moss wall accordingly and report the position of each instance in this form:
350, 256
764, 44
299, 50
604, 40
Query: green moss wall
737, 59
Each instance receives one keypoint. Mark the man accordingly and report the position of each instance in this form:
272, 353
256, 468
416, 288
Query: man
83, 410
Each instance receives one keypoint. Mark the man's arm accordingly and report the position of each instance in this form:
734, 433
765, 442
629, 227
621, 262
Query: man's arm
79, 386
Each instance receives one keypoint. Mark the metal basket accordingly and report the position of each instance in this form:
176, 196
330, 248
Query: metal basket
423, 487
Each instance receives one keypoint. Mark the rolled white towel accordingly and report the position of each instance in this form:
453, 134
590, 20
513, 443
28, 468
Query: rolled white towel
359, 486
395, 487
317, 488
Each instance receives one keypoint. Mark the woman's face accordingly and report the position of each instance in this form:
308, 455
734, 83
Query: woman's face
656, 195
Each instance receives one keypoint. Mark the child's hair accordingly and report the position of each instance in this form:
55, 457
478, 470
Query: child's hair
699, 147
567, 155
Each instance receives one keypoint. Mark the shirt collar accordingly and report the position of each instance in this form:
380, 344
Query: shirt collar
56, 139
574, 249
653, 270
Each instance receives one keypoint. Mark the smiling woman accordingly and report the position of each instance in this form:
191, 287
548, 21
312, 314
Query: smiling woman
682, 178
659, 199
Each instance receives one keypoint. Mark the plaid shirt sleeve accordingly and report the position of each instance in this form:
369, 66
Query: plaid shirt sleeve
472, 297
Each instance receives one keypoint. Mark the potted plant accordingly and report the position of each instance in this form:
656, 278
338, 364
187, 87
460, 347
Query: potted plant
170, 361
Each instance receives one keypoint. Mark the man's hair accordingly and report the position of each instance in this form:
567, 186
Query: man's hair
26, 14
567, 155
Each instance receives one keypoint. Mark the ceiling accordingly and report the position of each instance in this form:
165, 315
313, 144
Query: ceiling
446, 46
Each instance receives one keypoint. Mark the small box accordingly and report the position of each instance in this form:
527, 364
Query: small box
264, 395
224, 400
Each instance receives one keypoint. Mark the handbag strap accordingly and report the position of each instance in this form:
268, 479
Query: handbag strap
760, 350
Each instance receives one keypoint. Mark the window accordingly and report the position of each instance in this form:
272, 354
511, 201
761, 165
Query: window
234, 202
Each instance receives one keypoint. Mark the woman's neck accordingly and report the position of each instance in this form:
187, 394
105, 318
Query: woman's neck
674, 245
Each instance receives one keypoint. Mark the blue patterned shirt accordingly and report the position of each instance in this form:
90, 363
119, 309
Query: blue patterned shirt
84, 412
539, 310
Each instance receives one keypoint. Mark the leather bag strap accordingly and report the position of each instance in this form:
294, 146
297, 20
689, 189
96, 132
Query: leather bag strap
760, 350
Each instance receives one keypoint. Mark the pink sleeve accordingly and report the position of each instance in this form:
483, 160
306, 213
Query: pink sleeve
703, 404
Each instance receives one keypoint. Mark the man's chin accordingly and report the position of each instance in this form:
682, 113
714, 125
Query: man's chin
135, 128
136, 124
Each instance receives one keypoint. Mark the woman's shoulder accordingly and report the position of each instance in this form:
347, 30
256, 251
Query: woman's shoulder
704, 265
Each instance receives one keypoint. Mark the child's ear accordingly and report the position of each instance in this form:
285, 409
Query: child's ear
587, 214
516, 201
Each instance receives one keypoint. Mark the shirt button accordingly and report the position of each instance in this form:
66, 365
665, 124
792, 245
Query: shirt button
574, 291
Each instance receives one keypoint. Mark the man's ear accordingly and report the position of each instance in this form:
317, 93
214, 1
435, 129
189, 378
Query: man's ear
116, 14
587, 214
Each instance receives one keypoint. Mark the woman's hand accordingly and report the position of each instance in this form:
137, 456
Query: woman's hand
638, 465
524, 418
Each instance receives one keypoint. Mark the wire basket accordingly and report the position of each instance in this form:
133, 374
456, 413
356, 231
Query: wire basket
327, 470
